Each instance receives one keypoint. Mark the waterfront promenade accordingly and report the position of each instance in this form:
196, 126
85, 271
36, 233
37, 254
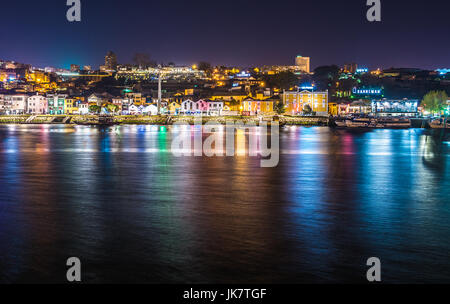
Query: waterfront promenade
158, 120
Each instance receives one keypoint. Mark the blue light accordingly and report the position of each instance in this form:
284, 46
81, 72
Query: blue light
443, 71
307, 86
362, 71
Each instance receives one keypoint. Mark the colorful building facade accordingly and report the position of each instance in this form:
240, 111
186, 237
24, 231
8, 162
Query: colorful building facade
56, 104
296, 101
253, 106
173, 108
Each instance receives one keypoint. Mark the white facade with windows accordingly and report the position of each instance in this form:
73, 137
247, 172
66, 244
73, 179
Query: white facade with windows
16, 104
37, 104
188, 106
215, 107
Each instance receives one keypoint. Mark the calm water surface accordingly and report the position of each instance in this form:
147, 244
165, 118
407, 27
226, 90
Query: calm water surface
132, 212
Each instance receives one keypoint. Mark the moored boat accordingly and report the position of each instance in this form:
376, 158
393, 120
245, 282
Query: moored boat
395, 122
358, 122
376, 122
440, 124
340, 122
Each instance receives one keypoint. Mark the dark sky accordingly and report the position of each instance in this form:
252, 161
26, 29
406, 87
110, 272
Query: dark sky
414, 33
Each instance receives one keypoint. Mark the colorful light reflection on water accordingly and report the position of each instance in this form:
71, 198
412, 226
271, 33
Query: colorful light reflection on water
118, 199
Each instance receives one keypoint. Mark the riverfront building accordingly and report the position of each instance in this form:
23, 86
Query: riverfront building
16, 104
56, 104
37, 104
252, 106
296, 101
390, 107
194, 107
71, 106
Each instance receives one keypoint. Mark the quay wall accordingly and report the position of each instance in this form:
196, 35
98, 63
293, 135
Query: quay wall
160, 120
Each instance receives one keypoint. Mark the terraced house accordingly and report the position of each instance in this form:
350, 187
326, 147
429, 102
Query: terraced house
56, 104
37, 104
71, 106
16, 104
255, 106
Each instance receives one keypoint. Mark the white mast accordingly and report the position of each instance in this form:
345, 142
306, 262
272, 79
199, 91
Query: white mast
159, 94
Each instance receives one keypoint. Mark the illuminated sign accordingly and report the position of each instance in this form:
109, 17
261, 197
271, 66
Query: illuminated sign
367, 91
362, 70
307, 87
243, 74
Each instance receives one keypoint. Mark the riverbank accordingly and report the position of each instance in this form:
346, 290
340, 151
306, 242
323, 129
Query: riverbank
169, 120
158, 120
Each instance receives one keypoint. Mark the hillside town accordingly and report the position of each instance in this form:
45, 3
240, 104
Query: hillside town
148, 88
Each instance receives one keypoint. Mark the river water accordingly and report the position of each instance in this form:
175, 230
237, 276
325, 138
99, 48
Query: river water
131, 211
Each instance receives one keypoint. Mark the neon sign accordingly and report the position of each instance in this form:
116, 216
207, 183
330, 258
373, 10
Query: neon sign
365, 91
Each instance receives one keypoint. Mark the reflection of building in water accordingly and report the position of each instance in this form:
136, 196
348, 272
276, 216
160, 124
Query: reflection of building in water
395, 107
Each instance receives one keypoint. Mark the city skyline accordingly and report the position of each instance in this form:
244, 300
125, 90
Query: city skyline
247, 34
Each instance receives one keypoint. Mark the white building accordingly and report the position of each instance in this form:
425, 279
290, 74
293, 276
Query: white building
150, 110
83, 108
119, 101
188, 106
3, 107
37, 104
215, 107
17, 104
133, 110
98, 99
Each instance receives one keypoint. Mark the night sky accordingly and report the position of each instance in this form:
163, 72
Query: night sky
244, 33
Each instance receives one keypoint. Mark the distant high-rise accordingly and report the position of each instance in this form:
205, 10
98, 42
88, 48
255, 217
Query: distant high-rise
303, 63
74, 68
111, 61
350, 68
